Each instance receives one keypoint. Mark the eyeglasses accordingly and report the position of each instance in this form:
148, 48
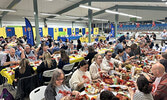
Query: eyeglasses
60, 79
99, 58
109, 55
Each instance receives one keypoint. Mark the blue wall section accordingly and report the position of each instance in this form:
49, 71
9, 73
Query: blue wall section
76, 31
83, 31
24, 30
60, 29
69, 31
50, 32
10, 31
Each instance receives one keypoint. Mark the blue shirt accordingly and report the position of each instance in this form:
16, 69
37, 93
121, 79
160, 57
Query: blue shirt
118, 46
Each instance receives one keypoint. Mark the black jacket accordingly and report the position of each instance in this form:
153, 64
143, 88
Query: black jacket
50, 93
90, 56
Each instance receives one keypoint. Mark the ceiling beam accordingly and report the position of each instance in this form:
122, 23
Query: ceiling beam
10, 6
142, 7
126, 0
70, 8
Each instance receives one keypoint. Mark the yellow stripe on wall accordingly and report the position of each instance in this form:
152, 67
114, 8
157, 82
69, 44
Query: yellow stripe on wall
19, 31
3, 32
73, 31
96, 31
80, 32
34, 32
86, 30
56, 33
45, 31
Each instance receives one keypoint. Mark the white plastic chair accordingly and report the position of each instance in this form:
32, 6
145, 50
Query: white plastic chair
38, 93
48, 73
68, 67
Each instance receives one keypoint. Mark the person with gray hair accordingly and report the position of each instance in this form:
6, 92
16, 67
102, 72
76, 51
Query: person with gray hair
28, 53
10, 59
160, 87
56, 85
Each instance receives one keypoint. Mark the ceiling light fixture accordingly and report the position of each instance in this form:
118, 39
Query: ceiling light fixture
89, 7
30, 17
100, 19
49, 14
166, 3
9, 10
123, 14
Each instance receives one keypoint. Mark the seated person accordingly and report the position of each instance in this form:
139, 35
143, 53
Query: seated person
47, 64
91, 54
64, 59
107, 95
10, 59
144, 89
109, 64
44, 49
118, 45
95, 68
120, 56
71, 49
29, 54
160, 90
56, 85
79, 45
24, 70
80, 77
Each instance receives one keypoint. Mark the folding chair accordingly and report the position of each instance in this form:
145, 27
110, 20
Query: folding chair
48, 74
38, 93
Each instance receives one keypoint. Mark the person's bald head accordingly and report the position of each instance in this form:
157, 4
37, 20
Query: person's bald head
12, 52
158, 70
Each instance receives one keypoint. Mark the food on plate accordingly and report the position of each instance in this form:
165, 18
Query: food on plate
108, 81
93, 88
36, 62
82, 97
122, 96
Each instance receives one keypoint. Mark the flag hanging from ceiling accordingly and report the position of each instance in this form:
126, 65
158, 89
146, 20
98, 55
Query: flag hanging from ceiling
137, 25
29, 31
153, 24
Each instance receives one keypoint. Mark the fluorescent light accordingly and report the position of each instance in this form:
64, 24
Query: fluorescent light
49, 14
166, 3
100, 19
163, 0
57, 19
89, 7
85, 18
9, 10
48, 0
123, 14
80, 21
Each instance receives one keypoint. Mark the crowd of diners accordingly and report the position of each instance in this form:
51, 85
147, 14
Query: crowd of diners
125, 49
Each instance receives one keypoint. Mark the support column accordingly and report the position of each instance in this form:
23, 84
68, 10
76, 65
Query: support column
116, 20
36, 22
0, 22
90, 21
73, 24
45, 24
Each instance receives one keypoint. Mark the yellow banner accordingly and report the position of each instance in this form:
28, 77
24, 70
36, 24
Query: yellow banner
65, 30
45, 31
19, 31
3, 32
56, 33
96, 31
34, 32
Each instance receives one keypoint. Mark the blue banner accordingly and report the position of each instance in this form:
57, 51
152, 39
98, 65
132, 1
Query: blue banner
112, 31
10, 31
30, 37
